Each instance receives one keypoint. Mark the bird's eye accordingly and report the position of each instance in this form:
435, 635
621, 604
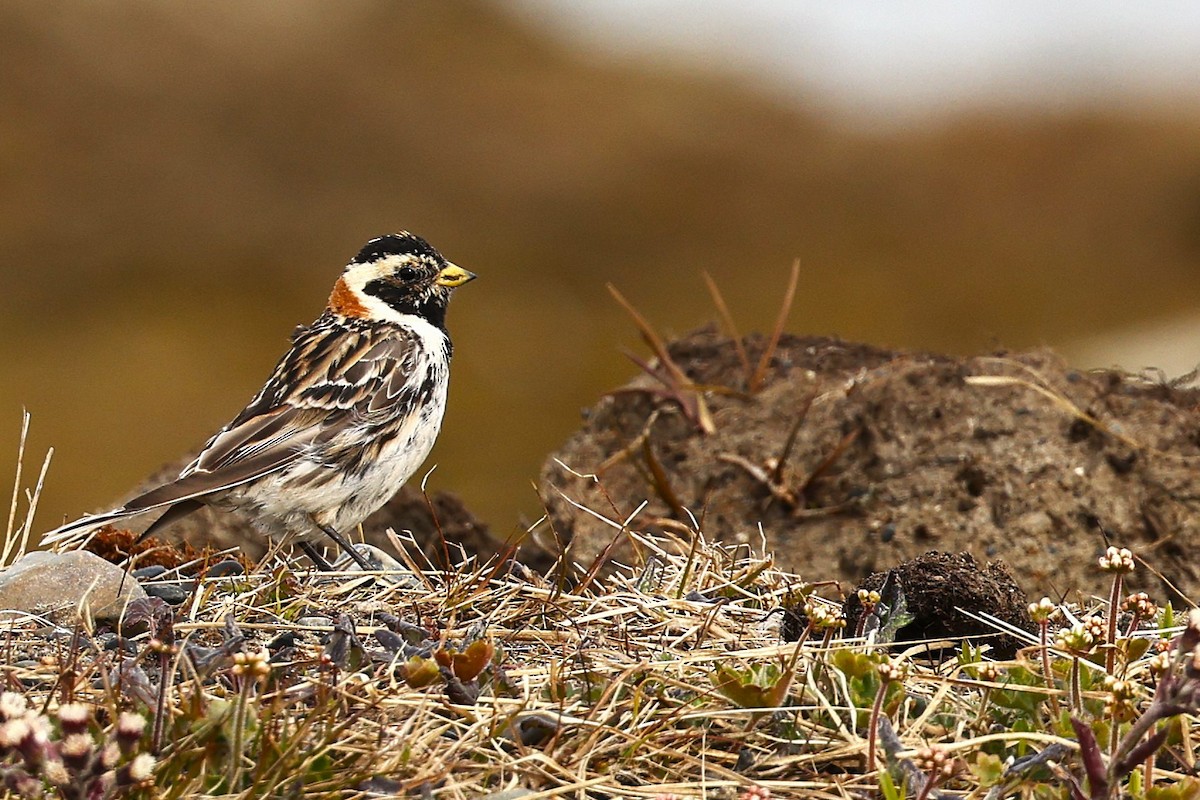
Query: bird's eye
407, 273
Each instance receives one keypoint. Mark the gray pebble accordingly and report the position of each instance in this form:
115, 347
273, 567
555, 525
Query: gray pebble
172, 593
315, 622
225, 569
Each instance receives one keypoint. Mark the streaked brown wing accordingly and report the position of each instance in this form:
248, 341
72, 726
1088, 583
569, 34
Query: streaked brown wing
331, 379
253, 459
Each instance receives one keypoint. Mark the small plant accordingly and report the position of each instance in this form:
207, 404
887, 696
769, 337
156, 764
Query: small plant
675, 384
755, 378
870, 600
1042, 612
16, 536
1177, 693
1119, 562
249, 671
759, 686
755, 792
938, 766
75, 758
893, 671
1079, 639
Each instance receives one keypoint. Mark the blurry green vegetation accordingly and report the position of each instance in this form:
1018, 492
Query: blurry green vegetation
182, 183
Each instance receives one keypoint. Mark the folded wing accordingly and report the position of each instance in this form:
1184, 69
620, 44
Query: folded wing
329, 380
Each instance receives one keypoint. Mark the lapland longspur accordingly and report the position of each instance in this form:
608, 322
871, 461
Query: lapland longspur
349, 414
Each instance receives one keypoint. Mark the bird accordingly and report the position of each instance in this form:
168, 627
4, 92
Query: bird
349, 413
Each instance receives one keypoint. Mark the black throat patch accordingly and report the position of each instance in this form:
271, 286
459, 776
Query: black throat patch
429, 307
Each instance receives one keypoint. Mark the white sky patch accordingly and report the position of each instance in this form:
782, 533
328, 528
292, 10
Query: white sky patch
875, 57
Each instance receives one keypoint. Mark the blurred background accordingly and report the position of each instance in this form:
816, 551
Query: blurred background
180, 184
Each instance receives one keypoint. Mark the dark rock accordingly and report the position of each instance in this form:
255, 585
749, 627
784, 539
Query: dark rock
391, 641
225, 569
111, 641
285, 639
173, 592
31, 673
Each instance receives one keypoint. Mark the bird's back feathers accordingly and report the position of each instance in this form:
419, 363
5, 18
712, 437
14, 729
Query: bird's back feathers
338, 374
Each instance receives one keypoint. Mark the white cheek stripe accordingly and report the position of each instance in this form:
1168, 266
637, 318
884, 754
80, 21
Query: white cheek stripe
377, 309
357, 276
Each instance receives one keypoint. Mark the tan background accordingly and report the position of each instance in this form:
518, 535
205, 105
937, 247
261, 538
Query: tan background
180, 185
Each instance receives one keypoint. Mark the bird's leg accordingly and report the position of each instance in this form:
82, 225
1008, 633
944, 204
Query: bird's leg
345, 545
315, 556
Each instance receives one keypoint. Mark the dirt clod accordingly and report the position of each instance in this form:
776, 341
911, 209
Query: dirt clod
940, 588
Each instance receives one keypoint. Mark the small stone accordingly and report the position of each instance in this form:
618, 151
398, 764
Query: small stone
225, 569
66, 635
508, 794
30, 672
149, 573
314, 622
380, 786
173, 593
379, 560
59, 584
395, 573
1035, 523
110, 641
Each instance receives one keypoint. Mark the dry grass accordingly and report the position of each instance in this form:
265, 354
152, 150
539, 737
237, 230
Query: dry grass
640, 685
666, 678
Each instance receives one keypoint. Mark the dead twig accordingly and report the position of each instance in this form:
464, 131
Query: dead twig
667, 372
730, 327
789, 297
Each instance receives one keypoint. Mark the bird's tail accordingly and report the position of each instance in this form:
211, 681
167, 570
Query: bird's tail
73, 534
179, 498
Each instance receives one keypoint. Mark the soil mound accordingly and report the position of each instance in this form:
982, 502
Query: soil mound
886, 455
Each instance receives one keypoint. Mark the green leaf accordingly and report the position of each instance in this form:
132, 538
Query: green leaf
1027, 703
1132, 649
854, 665
1134, 787
1185, 789
968, 654
988, 769
888, 788
762, 686
420, 672
892, 612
